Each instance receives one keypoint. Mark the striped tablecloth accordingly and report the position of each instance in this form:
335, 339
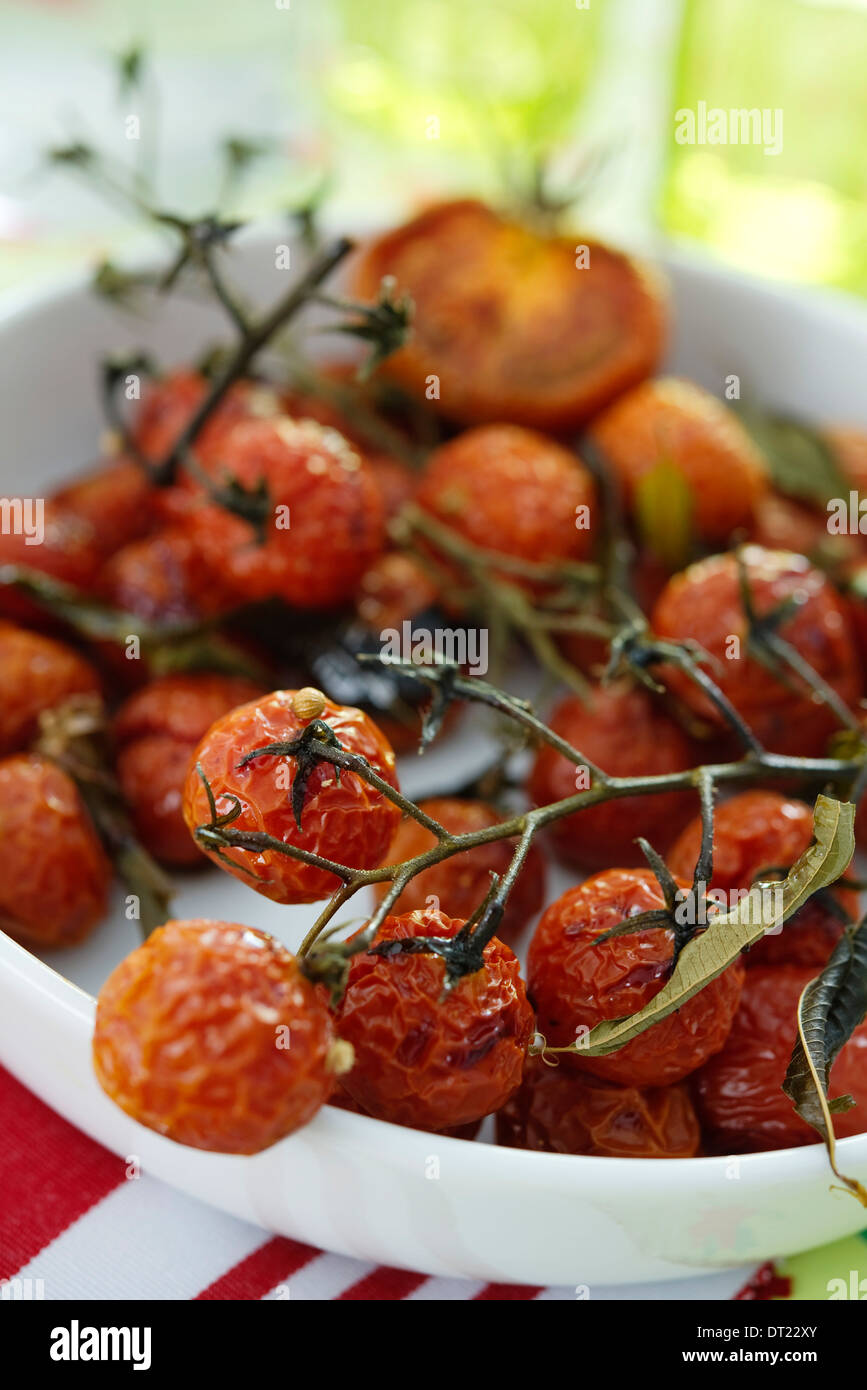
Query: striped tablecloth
76, 1227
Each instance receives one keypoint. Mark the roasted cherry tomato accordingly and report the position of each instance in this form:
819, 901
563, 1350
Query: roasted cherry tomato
165, 579
36, 674
344, 820
428, 1058
395, 587
558, 1111
738, 1093
576, 982
343, 1101
54, 874
325, 522
116, 500
156, 731
624, 732
758, 831
511, 491
678, 424
703, 604
67, 552
514, 325
210, 1034
169, 403
458, 885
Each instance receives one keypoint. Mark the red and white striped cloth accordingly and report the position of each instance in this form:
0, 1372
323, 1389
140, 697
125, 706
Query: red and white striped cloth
74, 1225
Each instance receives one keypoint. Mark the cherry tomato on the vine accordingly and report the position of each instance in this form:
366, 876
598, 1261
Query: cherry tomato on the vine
738, 1092
704, 605
576, 982
428, 1058
459, 884
343, 819
325, 513
210, 1034
754, 832
625, 732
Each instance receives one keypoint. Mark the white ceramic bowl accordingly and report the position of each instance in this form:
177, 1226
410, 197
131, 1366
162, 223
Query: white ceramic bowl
348, 1183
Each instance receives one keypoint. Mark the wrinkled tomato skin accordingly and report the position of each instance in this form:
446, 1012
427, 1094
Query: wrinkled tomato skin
156, 731
459, 885
576, 983
510, 325
424, 1058
342, 1100
36, 674
54, 873
558, 1111
327, 520
753, 832
511, 491
738, 1093
703, 604
679, 424
116, 500
625, 733
346, 821
188, 1038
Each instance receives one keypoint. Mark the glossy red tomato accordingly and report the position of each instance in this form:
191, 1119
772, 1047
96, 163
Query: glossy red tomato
168, 405
165, 579
54, 874
210, 1034
459, 885
425, 1058
36, 674
156, 731
346, 821
738, 1092
576, 982
703, 604
753, 832
66, 552
326, 518
116, 500
512, 491
395, 587
625, 732
559, 1111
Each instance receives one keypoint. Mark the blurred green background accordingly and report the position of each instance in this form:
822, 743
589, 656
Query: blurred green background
399, 100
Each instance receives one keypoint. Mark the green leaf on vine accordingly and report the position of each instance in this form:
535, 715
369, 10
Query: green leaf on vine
829, 1010
710, 953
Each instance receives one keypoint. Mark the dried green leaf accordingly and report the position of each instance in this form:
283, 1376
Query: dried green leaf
709, 954
829, 1010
